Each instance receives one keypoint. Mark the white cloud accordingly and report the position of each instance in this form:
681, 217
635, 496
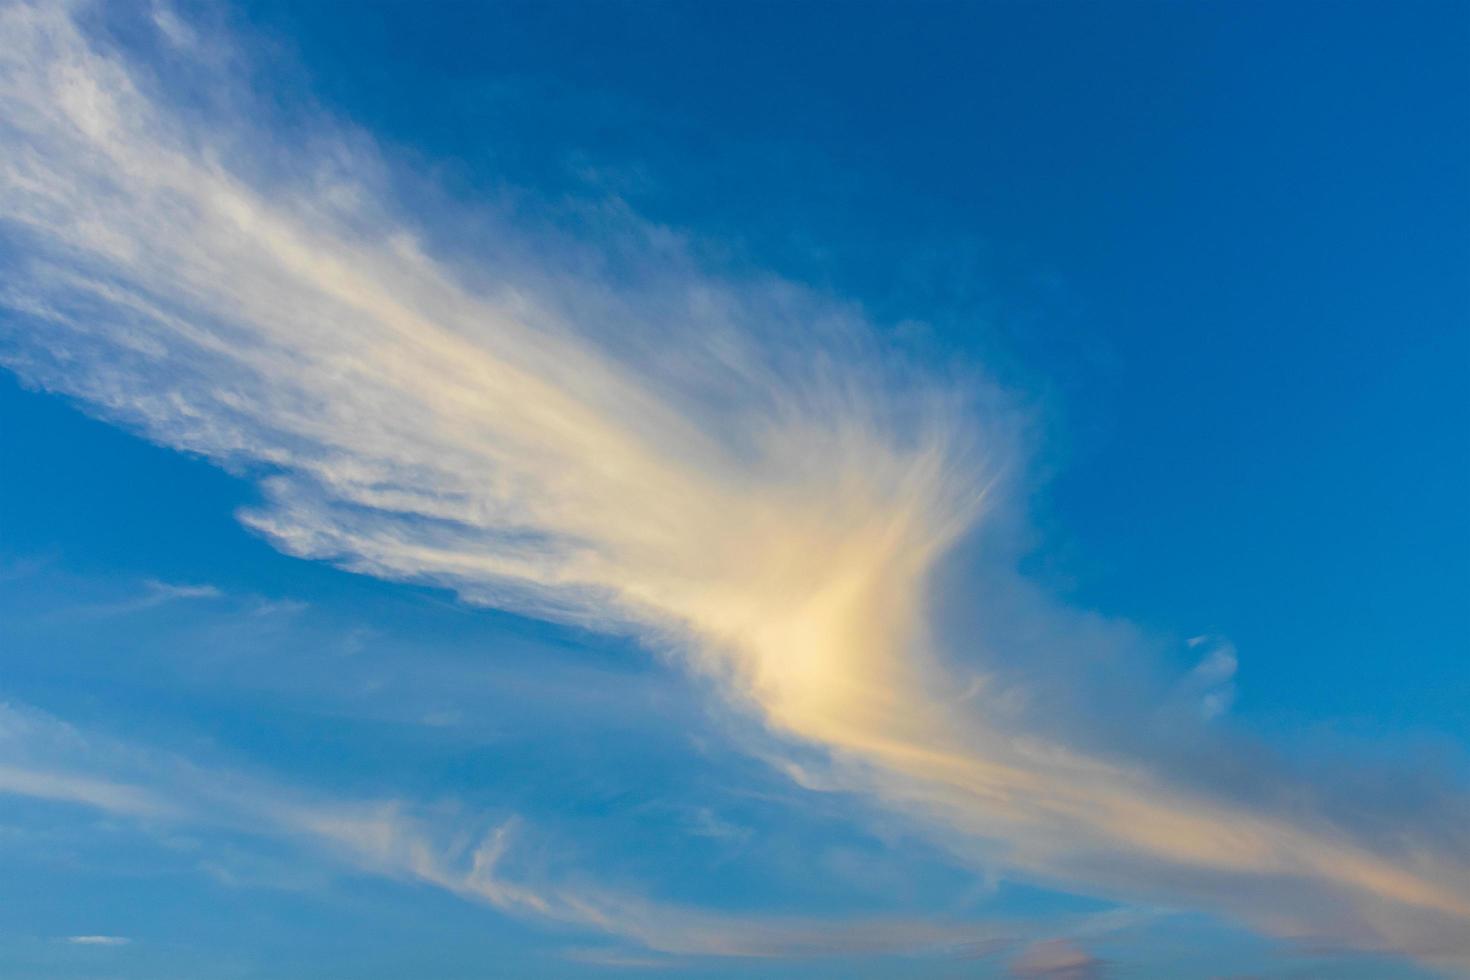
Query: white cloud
620, 959
1056, 959
167, 591
723, 468
51, 760
98, 940
173, 29
1212, 681
85, 790
154, 594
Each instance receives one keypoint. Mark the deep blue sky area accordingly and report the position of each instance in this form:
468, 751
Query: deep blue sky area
1220, 254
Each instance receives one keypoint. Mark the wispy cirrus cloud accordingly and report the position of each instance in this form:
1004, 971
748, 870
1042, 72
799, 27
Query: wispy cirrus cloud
724, 468
468, 854
154, 594
620, 959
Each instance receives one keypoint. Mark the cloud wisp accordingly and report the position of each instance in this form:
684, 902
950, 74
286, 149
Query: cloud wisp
463, 853
1056, 959
680, 457
155, 594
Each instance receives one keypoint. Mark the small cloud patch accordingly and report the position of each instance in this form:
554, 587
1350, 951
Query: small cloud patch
1056, 959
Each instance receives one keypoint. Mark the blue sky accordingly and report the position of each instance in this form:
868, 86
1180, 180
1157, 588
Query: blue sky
723, 490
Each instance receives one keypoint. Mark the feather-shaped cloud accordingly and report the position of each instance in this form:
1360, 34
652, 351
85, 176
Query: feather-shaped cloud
724, 468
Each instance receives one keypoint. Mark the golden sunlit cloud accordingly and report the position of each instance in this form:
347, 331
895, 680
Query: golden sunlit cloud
768, 510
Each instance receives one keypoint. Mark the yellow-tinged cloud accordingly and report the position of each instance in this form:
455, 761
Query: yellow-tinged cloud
769, 511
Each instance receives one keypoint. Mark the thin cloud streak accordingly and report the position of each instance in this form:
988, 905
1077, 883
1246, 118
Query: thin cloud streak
155, 594
769, 514
51, 760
